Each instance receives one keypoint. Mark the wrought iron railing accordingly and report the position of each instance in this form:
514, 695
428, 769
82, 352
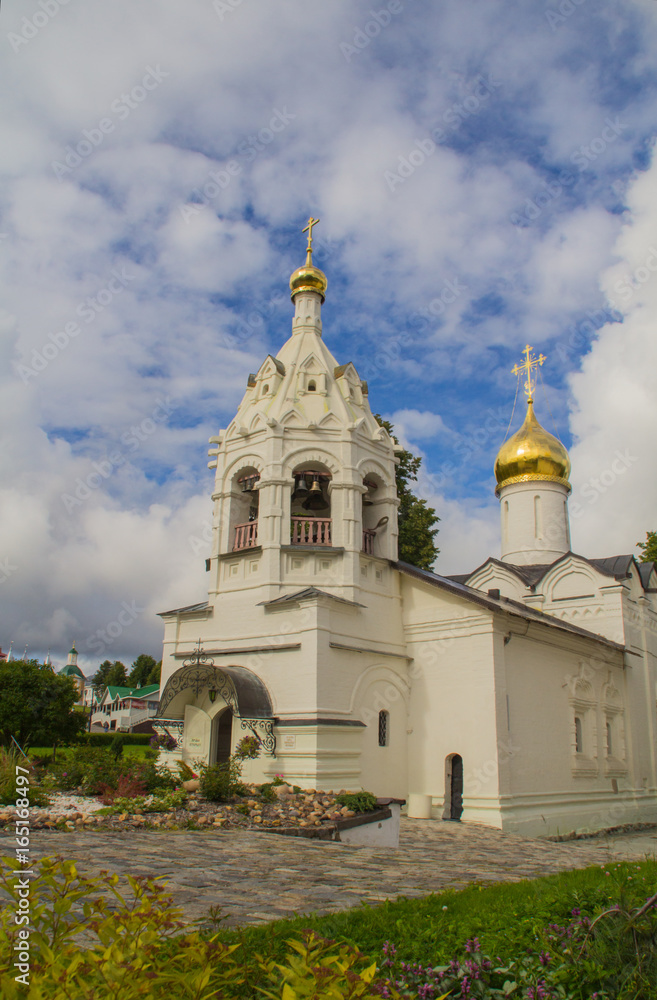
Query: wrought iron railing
246, 535
311, 531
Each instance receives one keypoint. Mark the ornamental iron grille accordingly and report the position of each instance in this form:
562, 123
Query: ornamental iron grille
170, 727
267, 740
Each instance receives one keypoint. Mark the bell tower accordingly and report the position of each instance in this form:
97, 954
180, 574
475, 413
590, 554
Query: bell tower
305, 476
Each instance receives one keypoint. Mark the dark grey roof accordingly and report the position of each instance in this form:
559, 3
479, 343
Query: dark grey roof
616, 566
301, 595
645, 569
505, 604
190, 607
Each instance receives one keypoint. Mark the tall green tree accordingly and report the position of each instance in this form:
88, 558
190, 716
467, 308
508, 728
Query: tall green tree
110, 674
155, 674
36, 705
141, 670
649, 547
417, 521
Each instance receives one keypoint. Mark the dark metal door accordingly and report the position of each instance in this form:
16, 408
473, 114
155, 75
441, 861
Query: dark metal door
457, 787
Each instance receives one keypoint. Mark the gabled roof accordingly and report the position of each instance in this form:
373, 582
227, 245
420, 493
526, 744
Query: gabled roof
302, 595
617, 567
505, 604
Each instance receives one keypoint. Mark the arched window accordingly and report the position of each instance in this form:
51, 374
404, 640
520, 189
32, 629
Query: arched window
579, 741
312, 386
384, 729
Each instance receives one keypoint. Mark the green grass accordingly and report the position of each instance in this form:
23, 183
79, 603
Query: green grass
507, 917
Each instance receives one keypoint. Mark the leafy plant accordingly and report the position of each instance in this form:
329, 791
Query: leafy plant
220, 782
9, 789
316, 963
134, 951
359, 802
164, 802
127, 788
116, 746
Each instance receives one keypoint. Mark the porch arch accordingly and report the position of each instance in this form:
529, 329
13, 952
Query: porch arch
242, 690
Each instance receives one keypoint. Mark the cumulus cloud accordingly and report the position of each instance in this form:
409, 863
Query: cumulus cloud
156, 173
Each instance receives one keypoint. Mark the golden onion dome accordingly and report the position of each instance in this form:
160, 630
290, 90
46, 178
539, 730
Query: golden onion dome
532, 455
308, 278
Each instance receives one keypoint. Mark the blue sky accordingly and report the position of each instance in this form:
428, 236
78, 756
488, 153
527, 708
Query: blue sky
485, 178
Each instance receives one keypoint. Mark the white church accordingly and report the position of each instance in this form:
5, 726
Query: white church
521, 695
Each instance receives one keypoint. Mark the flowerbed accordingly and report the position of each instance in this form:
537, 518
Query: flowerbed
303, 810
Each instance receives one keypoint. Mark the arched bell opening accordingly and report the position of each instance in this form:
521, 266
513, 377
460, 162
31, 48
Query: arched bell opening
310, 505
244, 508
374, 519
453, 809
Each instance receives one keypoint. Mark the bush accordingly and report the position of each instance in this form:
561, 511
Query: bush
220, 782
9, 789
116, 746
105, 739
126, 788
216, 784
359, 802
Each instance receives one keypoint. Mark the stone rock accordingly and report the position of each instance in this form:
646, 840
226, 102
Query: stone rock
282, 791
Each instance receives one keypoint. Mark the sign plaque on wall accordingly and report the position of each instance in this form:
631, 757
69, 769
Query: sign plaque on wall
289, 742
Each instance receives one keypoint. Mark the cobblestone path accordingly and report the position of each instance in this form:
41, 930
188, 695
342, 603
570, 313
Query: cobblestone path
259, 877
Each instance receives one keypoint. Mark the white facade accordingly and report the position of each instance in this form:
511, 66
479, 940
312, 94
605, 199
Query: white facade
534, 522
360, 672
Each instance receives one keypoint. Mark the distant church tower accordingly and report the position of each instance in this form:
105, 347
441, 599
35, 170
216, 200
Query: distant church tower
532, 470
72, 670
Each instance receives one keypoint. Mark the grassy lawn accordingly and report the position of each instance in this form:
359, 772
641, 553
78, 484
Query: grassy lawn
507, 917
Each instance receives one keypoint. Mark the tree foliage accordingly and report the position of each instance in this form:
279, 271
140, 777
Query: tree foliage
110, 675
649, 547
141, 670
36, 705
417, 520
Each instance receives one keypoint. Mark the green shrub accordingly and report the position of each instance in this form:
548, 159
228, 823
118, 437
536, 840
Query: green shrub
10, 789
216, 784
105, 739
164, 802
220, 782
359, 802
266, 791
116, 746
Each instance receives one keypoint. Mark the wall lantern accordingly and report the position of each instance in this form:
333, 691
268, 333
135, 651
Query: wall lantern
212, 694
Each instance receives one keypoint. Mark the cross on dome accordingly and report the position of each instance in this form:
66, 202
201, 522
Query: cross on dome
530, 363
309, 229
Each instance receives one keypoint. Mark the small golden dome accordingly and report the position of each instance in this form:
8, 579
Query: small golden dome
532, 455
308, 278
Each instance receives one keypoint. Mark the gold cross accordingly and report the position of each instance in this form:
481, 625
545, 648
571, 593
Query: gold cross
309, 229
531, 362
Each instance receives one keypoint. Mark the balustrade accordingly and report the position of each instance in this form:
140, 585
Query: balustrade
246, 535
311, 531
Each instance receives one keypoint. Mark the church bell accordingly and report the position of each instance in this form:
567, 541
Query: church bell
315, 499
301, 490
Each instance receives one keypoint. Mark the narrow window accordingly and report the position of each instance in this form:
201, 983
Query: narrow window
312, 387
578, 735
384, 729
609, 740
538, 530
265, 390
506, 519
